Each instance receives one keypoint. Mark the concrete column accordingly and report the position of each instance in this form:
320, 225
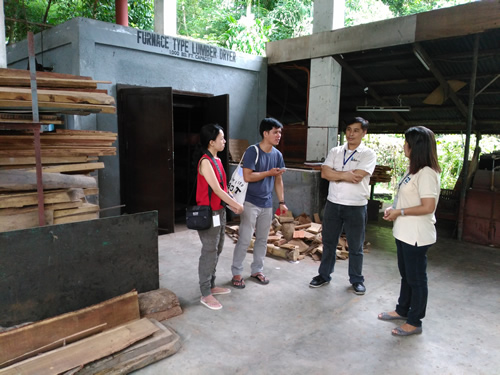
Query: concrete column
3, 51
166, 17
324, 99
324, 90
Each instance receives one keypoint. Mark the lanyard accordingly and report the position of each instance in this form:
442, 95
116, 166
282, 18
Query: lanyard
349, 158
403, 180
394, 204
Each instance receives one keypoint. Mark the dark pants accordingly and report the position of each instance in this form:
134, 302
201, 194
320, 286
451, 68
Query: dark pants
351, 219
412, 264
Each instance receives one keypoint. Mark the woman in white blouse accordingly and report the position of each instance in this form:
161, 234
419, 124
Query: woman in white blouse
414, 230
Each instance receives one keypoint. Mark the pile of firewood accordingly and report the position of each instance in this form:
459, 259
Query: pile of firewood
294, 238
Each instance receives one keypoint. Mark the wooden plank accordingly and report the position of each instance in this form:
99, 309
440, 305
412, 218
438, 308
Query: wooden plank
162, 344
65, 151
84, 132
58, 139
22, 73
19, 179
84, 208
57, 107
83, 167
84, 351
27, 118
237, 148
27, 160
31, 198
57, 344
48, 207
76, 218
56, 96
24, 220
91, 191
113, 312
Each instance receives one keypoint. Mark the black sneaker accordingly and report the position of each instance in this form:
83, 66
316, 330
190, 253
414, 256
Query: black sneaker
359, 288
318, 281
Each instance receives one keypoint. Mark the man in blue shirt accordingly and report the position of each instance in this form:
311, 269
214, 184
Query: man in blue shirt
257, 216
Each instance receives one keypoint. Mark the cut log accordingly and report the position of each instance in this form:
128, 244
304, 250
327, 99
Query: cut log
160, 304
16, 179
317, 218
301, 245
315, 228
303, 226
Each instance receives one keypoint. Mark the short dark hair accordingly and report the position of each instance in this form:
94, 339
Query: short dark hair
364, 123
268, 124
209, 133
423, 149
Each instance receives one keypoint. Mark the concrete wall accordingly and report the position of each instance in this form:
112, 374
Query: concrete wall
122, 55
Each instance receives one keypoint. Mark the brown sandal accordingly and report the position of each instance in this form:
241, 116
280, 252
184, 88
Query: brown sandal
238, 283
261, 278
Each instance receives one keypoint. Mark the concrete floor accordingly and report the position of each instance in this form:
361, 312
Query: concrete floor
288, 328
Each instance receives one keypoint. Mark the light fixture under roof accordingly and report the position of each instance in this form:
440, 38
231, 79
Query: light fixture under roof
387, 108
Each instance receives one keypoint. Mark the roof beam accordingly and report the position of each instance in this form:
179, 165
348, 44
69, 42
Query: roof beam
401, 121
442, 81
460, 20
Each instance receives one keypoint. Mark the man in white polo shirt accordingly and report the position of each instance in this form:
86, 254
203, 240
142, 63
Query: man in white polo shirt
348, 168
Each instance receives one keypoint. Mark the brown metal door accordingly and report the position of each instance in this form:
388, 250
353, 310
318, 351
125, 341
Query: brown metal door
145, 128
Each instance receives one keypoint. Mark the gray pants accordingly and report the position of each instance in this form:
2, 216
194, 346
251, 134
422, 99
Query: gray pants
252, 219
212, 241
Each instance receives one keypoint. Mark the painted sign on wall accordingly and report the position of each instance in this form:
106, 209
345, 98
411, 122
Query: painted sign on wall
186, 48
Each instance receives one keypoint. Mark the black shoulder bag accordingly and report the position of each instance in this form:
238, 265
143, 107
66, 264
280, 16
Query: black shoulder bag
200, 217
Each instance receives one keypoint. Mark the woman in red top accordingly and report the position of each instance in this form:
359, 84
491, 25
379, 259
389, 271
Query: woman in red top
212, 239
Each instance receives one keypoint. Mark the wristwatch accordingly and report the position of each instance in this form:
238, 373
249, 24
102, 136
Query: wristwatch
402, 212
282, 202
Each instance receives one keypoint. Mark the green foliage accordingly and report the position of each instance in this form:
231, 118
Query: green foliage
450, 149
140, 14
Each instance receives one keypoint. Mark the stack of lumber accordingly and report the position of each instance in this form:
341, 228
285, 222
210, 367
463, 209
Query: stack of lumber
109, 337
381, 174
68, 158
56, 92
305, 239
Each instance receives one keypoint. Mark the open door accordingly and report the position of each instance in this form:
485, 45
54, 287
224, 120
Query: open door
145, 127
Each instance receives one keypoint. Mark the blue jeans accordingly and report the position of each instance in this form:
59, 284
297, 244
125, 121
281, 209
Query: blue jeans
351, 219
412, 264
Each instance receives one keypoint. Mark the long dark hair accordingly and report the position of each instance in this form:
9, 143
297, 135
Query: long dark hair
423, 151
208, 133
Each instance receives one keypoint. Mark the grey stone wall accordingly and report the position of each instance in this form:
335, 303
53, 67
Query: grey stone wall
124, 55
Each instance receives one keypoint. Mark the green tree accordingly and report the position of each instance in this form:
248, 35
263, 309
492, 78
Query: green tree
31, 15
